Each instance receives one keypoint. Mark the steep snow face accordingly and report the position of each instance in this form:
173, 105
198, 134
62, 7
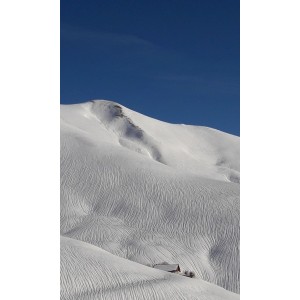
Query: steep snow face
149, 191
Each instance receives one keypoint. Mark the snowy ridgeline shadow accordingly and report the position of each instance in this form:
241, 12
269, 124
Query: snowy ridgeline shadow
130, 135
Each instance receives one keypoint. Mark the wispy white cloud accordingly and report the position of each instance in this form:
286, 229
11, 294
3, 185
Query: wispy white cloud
107, 38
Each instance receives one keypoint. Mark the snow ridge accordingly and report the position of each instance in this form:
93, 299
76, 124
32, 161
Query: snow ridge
101, 275
130, 135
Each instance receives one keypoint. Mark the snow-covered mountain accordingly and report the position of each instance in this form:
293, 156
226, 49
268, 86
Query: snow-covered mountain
137, 191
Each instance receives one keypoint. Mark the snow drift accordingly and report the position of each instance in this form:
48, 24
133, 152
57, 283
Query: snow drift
138, 191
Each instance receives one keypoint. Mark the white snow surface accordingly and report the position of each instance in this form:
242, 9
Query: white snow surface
138, 191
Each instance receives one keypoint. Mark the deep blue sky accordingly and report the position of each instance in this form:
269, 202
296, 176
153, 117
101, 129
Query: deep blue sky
174, 60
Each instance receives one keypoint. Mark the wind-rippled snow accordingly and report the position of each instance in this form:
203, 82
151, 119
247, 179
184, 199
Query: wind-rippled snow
146, 191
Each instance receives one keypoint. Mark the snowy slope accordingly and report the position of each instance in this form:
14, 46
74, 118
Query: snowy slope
92, 273
148, 191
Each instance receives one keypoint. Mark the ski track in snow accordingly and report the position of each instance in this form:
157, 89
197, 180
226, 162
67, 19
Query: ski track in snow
146, 191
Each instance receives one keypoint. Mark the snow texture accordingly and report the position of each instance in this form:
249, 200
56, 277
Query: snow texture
136, 191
